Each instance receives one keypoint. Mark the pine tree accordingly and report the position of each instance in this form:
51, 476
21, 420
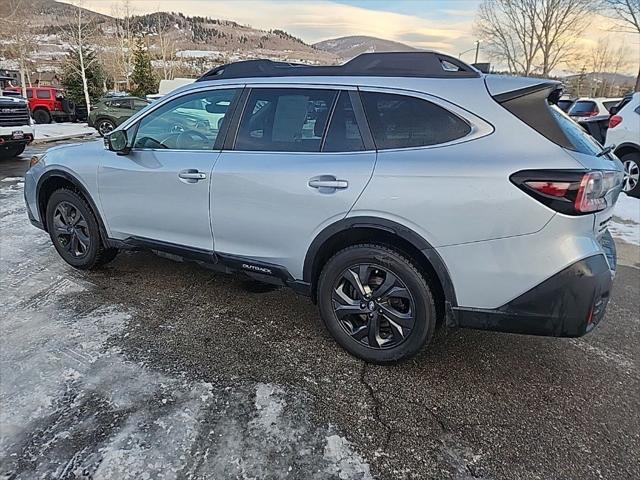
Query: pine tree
143, 76
72, 76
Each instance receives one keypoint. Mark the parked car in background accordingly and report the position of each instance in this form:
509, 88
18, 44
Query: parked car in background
110, 112
48, 103
364, 186
565, 102
624, 135
584, 108
16, 131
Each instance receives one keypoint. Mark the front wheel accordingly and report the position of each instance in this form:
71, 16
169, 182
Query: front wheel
631, 162
10, 151
74, 231
376, 304
41, 116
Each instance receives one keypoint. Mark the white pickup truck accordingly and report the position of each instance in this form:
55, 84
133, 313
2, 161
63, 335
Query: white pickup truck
16, 131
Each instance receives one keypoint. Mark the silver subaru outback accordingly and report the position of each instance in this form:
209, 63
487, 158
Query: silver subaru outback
399, 191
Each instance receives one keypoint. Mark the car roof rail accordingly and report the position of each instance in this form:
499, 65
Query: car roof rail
421, 64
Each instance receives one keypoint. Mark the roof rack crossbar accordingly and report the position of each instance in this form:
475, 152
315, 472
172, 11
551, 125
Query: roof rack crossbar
387, 64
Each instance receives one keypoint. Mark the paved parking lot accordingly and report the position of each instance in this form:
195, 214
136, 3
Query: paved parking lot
152, 368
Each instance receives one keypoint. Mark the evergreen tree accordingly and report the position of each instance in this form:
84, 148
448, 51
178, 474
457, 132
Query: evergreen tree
143, 76
72, 76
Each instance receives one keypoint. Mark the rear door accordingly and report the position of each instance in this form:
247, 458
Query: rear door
301, 157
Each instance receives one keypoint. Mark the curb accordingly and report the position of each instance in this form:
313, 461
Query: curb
37, 141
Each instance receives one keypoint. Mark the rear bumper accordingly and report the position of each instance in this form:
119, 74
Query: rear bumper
569, 304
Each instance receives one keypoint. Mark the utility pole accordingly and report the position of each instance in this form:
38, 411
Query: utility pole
477, 50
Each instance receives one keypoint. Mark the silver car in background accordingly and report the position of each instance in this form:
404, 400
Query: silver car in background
399, 191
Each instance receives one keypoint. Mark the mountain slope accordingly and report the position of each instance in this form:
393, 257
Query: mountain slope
348, 47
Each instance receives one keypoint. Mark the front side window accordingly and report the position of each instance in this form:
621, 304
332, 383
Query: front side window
43, 94
284, 120
190, 122
400, 121
121, 103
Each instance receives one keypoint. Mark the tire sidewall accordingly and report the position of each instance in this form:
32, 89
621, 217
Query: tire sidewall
89, 259
398, 265
635, 158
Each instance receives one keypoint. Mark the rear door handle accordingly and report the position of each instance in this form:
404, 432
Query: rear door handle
335, 184
192, 175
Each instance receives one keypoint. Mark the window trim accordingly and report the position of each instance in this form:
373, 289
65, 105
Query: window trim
478, 127
134, 122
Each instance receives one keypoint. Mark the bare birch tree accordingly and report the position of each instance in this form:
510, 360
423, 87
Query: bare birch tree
125, 39
627, 15
557, 25
508, 33
20, 40
165, 43
79, 34
532, 35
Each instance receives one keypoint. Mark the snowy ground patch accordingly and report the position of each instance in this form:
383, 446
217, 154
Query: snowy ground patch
75, 405
52, 131
625, 224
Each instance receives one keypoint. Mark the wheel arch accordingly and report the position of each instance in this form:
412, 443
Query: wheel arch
53, 180
350, 231
627, 147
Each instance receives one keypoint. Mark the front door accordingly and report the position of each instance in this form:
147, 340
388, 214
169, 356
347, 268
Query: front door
160, 190
299, 163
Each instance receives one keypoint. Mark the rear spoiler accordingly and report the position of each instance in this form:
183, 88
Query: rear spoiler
529, 99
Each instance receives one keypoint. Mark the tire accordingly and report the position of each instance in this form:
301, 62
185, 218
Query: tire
383, 328
41, 116
631, 162
11, 151
69, 215
104, 126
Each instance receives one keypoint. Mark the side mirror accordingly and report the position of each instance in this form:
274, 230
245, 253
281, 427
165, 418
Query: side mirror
118, 142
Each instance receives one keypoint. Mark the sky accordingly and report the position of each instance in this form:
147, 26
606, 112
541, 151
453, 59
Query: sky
445, 25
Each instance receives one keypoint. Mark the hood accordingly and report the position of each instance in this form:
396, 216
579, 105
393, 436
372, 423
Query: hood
12, 101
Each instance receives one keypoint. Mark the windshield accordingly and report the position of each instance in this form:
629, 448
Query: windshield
582, 142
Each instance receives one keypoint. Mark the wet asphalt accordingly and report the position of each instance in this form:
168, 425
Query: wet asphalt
270, 395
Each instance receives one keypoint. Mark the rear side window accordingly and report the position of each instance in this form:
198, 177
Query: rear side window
343, 134
583, 107
284, 120
400, 121
43, 94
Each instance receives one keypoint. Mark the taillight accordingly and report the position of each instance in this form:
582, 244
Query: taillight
572, 192
614, 121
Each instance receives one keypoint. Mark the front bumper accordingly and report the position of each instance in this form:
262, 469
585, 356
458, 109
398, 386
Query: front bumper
569, 304
6, 140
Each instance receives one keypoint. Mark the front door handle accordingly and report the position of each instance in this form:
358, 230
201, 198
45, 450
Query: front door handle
329, 182
192, 175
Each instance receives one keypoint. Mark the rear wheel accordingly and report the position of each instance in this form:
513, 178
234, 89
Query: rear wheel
105, 126
376, 304
74, 231
631, 162
42, 116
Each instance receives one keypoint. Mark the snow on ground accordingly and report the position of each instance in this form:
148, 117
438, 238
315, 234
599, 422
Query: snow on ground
74, 405
52, 131
625, 224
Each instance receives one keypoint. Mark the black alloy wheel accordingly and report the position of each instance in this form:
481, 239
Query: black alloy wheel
74, 231
373, 306
71, 229
375, 303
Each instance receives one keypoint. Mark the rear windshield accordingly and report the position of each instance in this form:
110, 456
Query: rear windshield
583, 107
582, 142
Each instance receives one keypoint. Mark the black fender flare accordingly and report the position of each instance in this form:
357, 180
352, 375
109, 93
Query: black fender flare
430, 253
625, 145
80, 187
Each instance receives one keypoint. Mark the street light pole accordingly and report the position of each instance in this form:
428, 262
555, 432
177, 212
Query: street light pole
477, 50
